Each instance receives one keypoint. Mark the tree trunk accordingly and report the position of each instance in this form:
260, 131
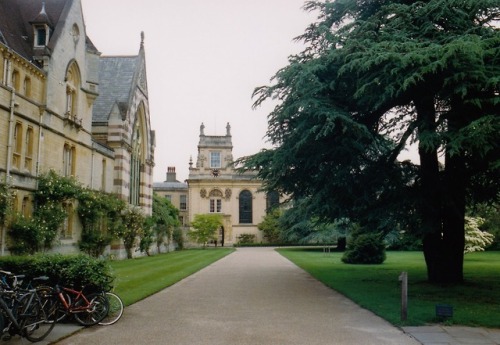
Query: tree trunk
430, 201
443, 202
454, 200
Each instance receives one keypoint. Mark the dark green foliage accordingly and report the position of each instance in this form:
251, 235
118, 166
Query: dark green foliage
270, 226
147, 236
402, 240
5, 202
100, 215
165, 219
365, 248
375, 77
29, 235
67, 270
178, 238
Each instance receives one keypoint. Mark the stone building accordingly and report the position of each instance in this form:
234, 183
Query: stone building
215, 187
65, 107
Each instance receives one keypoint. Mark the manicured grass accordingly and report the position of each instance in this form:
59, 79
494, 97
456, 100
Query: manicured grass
377, 288
139, 278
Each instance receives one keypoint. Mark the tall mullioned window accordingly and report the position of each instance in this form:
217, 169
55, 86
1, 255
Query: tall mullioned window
28, 149
183, 202
18, 145
69, 160
245, 201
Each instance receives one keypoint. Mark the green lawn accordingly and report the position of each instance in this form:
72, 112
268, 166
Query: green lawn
377, 288
139, 278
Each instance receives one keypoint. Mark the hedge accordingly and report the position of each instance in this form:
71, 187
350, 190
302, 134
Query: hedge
66, 270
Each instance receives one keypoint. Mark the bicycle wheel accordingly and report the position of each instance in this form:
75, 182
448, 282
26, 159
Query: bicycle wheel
38, 319
95, 312
115, 309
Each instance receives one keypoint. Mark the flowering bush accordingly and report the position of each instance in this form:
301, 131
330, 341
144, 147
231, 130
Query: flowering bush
29, 235
100, 214
475, 239
5, 200
132, 227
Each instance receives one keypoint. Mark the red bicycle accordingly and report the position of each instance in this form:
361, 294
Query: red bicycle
88, 309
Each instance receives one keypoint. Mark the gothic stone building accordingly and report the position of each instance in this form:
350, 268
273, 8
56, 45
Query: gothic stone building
65, 107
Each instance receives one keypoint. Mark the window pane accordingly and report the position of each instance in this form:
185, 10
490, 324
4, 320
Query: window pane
215, 161
41, 36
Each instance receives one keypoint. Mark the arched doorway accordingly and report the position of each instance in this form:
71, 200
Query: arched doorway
221, 236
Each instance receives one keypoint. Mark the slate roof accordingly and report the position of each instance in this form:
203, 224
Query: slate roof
116, 78
16, 17
170, 186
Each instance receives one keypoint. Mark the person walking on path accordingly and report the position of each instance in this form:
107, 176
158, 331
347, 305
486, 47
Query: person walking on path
253, 296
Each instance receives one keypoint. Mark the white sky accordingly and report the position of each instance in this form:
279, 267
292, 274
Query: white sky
203, 58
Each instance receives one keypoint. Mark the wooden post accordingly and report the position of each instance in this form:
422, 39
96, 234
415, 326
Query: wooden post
403, 278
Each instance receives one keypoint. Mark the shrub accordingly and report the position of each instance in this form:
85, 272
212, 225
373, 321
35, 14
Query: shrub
178, 238
67, 270
475, 239
205, 228
246, 238
365, 248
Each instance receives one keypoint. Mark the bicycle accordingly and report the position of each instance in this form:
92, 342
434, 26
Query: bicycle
30, 314
115, 309
88, 310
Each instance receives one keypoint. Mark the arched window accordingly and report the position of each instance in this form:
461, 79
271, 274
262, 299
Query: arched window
67, 226
25, 207
18, 145
15, 80
28, 150
245, 200
138, 156
68, 160
103, 176
72, 87
215, 196
135, 166
27, 87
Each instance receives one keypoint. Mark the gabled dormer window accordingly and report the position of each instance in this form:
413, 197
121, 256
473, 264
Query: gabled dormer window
41, 35
41, 28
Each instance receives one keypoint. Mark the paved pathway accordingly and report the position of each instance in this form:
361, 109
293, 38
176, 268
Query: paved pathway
253, 296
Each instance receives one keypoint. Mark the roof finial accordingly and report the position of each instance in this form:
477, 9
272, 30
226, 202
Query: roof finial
142, 39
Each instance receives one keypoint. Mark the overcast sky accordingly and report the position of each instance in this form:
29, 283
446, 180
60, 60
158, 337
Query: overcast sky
203, 60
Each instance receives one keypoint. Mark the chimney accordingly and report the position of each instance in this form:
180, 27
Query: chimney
171, 175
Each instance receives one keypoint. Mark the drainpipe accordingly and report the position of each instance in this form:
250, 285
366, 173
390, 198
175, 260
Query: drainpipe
40, 138
92, 167
9, 140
